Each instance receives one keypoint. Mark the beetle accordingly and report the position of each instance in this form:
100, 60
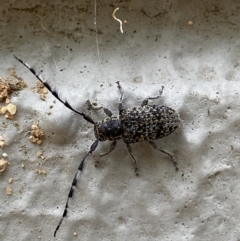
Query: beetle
137, 124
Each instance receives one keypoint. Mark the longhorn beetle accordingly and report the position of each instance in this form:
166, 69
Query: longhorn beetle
141, 123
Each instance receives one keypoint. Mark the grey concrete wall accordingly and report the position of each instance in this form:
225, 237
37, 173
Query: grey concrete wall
192, 48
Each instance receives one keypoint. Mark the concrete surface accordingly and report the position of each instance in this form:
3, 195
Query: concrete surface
190, 47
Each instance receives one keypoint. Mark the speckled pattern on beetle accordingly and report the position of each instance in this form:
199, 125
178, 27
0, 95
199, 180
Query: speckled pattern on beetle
142, 123
149, 122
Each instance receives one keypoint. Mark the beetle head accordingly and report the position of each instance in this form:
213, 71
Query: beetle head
109, 129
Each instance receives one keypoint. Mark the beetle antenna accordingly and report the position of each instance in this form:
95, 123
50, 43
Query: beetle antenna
74, 184
54, 92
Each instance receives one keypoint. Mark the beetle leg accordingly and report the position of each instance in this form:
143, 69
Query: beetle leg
158, 149
120, 105
106, 110
136, 169
110, 149
145, 101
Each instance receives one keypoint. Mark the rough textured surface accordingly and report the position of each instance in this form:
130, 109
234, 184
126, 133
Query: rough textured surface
191, 48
